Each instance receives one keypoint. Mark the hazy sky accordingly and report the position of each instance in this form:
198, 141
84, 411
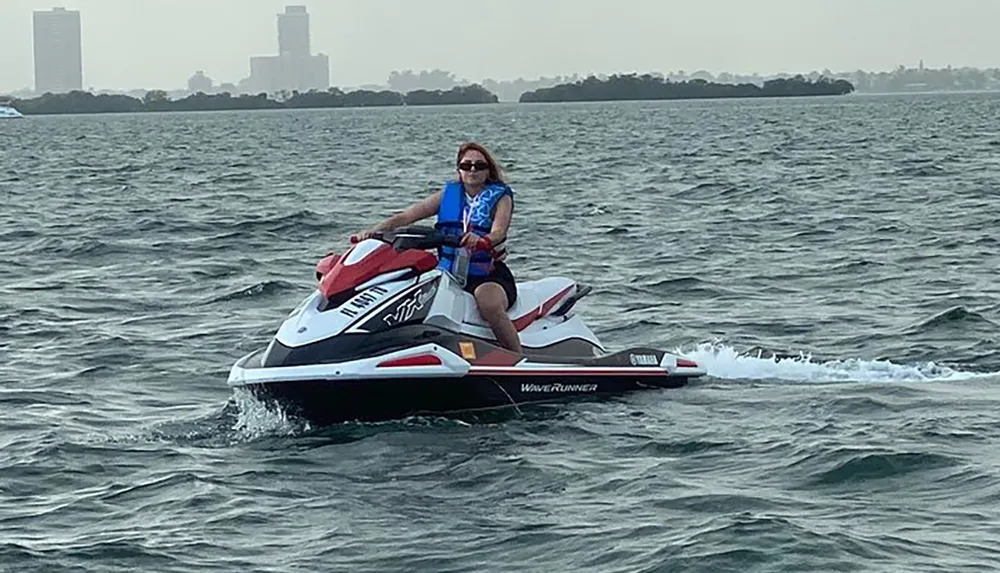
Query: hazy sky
161, 43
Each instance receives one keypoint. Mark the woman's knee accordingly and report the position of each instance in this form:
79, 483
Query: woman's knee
491, 300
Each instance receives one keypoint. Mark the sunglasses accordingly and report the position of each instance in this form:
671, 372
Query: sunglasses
474, 166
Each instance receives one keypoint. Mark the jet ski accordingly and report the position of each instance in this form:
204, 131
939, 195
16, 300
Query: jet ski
387, 335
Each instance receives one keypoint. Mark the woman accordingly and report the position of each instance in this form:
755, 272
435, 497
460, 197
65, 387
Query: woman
478, 206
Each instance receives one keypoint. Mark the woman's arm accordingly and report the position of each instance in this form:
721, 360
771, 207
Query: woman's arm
412, 214
408, 216
501, 222
501, 219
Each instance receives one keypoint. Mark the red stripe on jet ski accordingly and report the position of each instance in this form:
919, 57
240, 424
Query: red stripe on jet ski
564, 371
342, 277
538, 312
418, 360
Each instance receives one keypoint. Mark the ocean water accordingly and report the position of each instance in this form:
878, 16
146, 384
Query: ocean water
833, 261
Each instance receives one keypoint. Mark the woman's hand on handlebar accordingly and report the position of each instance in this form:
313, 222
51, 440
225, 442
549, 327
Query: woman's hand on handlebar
476, 242
367, 234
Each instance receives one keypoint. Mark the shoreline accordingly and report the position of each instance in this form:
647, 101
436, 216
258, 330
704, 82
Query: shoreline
281, 108
631, 87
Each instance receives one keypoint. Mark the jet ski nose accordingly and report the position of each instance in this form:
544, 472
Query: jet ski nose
326, 264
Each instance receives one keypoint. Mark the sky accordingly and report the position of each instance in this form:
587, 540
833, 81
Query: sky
159, 44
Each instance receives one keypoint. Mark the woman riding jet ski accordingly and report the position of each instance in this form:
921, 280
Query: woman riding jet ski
478, 208
393, 330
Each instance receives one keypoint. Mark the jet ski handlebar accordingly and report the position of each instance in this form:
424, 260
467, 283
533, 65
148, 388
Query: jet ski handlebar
417, 237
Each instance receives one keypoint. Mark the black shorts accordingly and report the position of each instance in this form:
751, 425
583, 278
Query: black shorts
502, 276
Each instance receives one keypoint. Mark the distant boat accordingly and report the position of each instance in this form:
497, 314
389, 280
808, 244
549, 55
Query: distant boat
7, 111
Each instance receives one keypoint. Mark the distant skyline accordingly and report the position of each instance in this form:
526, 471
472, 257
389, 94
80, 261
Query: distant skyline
58, 63
159, 44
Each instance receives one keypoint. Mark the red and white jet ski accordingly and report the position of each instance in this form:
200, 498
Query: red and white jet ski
388, 335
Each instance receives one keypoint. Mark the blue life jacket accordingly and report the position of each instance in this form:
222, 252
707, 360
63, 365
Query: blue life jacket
457, 208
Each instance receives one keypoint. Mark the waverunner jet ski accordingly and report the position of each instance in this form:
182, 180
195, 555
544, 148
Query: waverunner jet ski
387, 335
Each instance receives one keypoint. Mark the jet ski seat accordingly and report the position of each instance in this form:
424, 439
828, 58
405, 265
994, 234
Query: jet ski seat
535, 299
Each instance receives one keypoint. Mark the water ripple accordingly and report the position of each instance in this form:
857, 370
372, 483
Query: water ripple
831, 261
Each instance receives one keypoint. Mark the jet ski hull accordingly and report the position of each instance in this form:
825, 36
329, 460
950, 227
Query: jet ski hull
324, 403
433, 380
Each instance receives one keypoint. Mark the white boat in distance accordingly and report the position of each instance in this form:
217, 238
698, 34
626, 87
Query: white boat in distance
7, 111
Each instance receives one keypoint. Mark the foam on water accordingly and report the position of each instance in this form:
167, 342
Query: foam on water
723, 361
256, 419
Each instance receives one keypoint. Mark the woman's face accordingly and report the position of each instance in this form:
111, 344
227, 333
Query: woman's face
473, 169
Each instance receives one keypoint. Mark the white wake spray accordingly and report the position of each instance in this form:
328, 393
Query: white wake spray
723, 361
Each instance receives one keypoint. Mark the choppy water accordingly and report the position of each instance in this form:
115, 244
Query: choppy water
833, 261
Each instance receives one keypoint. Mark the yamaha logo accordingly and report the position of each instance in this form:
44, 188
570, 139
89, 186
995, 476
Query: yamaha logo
643, 360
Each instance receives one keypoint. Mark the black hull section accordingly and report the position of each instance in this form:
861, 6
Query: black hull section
327, 402
347, 347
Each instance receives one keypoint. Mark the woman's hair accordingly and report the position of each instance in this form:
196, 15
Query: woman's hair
495, 175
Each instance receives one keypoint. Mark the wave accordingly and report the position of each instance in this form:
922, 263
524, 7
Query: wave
882, 465
725, 362
712, 190
953, 317
926, 170
259, 290
298, 221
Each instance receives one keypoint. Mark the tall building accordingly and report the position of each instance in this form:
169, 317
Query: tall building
272, 74
295, 68
58, 51
199, 82
293, 32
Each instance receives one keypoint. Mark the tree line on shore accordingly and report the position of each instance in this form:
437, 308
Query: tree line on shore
623, 87
157, 101
649, 87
